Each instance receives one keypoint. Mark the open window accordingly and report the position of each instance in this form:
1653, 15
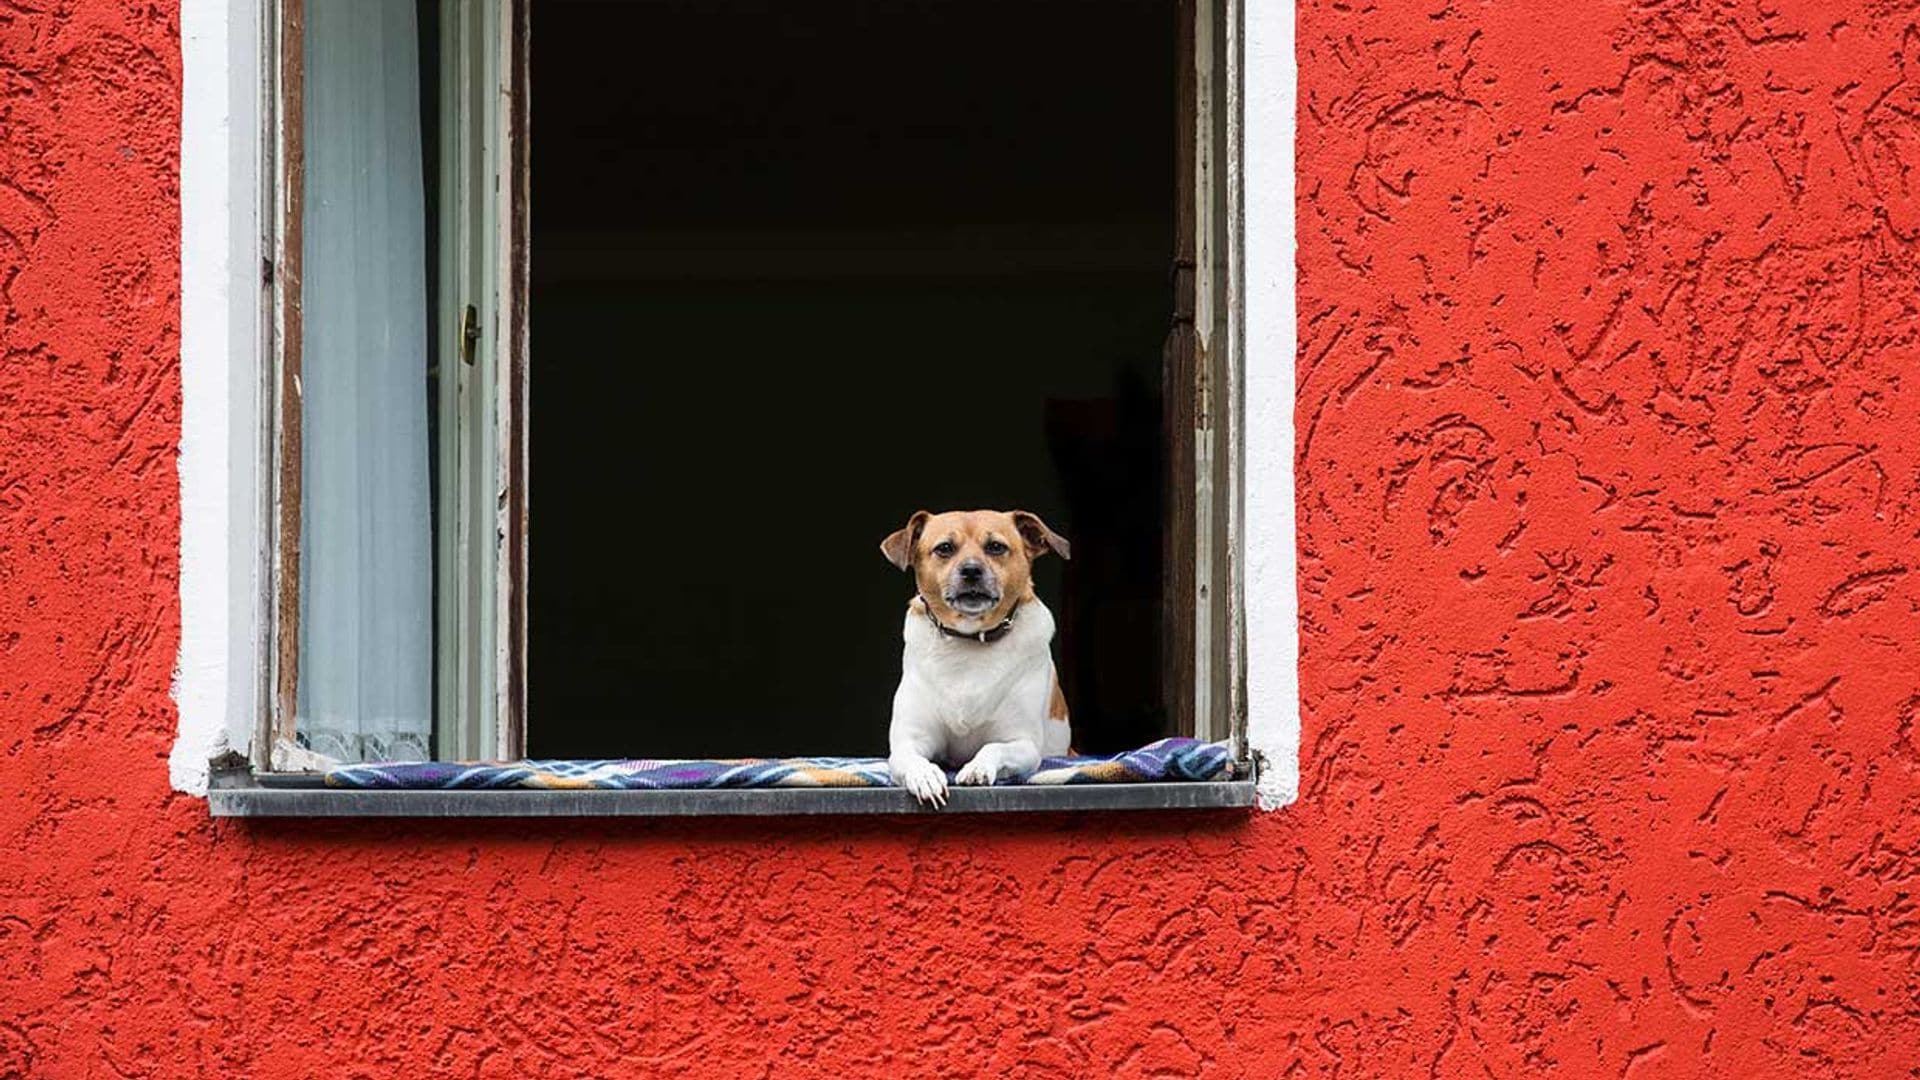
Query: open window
611, 339
399, 326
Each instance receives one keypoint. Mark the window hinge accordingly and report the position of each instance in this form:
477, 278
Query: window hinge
1202, 391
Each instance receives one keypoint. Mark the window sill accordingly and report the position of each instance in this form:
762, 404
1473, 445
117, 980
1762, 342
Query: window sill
239, 794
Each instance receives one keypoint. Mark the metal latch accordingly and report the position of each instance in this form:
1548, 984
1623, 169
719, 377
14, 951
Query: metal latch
469, 333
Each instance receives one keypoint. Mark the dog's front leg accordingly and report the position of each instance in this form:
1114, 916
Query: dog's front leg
913, 739
998, 761
907, 761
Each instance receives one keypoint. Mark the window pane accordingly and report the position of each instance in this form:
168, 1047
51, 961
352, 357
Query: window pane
366, 646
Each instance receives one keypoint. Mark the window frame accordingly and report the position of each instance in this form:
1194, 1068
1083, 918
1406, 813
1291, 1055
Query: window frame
501, 205
1212, 170
1203, 605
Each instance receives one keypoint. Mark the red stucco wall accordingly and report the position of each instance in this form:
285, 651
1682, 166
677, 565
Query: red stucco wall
1609, 505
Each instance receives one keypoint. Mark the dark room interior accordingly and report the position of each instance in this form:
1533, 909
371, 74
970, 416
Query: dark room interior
798, 271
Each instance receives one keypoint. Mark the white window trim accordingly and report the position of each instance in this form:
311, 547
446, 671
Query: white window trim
1269, 90
219, 686
219, 682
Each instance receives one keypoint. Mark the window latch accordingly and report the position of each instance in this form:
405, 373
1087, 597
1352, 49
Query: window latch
469, 333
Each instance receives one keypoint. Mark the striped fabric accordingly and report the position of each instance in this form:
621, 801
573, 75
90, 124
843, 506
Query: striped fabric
1168, 759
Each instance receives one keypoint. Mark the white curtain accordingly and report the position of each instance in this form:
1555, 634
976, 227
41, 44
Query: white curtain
366, 641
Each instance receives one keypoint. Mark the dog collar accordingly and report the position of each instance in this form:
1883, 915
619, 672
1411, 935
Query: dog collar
984, 637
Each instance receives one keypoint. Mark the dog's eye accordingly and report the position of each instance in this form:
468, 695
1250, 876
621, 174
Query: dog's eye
995, 548
944, 549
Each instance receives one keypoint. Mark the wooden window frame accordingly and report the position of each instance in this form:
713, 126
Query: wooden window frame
1203, 617
1204, 639
275, 748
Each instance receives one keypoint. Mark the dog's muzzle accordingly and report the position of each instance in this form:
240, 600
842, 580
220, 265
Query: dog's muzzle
973, 589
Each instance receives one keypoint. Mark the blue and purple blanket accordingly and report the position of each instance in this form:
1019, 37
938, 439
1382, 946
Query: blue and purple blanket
1166, 760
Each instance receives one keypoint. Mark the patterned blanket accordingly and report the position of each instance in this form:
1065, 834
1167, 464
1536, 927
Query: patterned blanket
1168, 759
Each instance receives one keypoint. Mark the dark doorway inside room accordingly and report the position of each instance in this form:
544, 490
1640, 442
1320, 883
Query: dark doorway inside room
799, 270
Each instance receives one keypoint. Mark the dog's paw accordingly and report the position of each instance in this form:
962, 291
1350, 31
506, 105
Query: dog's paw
924, 781
981, 770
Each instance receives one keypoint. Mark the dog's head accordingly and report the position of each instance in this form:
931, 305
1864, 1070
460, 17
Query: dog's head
972, 566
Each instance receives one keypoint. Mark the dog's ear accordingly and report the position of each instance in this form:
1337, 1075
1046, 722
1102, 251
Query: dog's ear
1039, 537
898, 548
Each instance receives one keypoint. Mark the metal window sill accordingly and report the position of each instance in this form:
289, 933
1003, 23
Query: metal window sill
284, 796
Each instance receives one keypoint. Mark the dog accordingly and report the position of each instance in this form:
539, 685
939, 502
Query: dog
977, 683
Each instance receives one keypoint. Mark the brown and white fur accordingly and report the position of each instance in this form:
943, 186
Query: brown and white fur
976, 696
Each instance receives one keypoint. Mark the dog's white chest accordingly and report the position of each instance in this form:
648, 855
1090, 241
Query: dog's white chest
972, 688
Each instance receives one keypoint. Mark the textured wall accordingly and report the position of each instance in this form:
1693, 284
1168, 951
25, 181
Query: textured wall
1612, 746
1608, 339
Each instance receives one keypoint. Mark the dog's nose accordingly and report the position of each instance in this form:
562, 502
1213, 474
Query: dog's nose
970, 572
